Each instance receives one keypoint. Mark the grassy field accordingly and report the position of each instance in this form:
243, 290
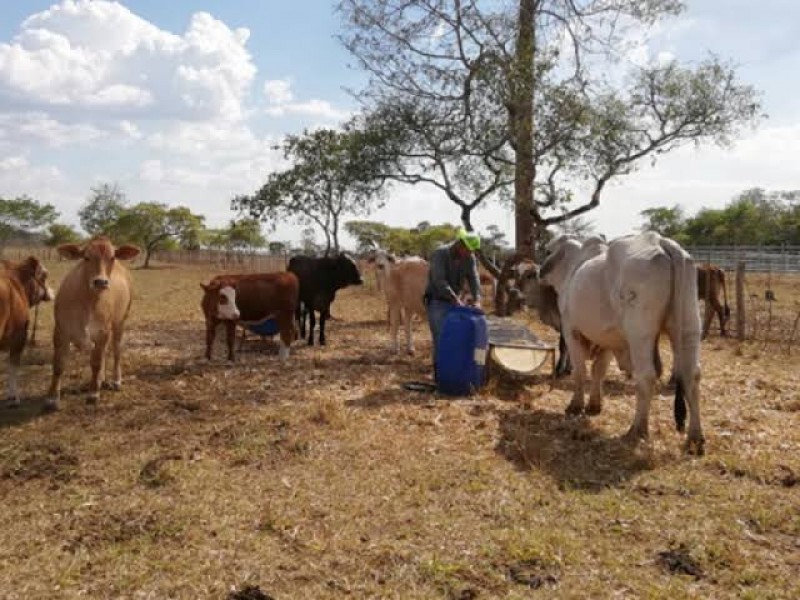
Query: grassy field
325, 479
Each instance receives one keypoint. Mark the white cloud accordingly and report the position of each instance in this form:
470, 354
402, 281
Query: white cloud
278, 91
11, 163
33, 128
219, 140
279, 96
98, 55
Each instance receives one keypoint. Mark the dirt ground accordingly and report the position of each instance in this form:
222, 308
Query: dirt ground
326, 479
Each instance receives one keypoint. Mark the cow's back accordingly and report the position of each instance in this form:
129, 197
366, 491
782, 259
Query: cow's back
262, 295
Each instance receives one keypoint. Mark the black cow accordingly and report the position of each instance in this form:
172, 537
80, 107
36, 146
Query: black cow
320, 279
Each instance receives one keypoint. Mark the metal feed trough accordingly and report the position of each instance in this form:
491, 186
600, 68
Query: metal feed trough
516, 348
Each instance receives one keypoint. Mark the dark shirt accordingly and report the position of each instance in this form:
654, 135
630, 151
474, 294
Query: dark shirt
447, 273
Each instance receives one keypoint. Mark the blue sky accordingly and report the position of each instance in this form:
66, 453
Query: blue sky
180, 102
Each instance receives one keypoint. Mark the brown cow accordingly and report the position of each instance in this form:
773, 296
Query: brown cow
91, 307
716, 278
22, 286
250, 299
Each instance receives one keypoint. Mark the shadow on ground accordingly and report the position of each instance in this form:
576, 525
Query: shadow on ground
570, 450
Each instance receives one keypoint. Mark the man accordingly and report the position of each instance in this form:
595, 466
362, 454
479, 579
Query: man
450, 265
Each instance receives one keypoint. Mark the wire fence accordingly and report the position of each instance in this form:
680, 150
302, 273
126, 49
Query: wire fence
759, 259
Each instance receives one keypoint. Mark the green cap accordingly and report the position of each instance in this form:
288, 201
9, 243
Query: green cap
471, 240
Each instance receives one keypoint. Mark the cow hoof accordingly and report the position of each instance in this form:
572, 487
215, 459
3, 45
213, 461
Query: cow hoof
116, 386
50, 406
574, 410
594, 409
411, 352
634, 435
92, 399
12, 402
696, 447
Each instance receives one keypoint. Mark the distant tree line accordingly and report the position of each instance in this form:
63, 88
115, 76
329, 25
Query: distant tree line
418, 241
754, 217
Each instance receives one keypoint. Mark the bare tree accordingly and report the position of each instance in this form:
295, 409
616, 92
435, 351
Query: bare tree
486, 95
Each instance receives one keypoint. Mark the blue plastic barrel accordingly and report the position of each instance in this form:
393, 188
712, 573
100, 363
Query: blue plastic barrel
265, 328
461, 352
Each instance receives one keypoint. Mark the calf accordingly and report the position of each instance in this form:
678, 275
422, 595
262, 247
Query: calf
91, 307
22, 286
404, 286
320, 279
250, 299
710, 280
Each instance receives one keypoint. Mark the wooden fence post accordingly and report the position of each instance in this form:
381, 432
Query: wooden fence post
740, 314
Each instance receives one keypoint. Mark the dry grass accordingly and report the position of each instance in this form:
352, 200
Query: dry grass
325, 478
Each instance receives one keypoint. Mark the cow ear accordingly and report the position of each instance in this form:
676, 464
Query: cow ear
391, 258
70, 251
127, 252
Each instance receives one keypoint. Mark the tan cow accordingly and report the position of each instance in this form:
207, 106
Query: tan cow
404, 286
22, 285
620, 296
91, 307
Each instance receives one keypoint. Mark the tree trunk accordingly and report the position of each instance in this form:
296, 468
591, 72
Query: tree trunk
148, 252
522, 130
335, 233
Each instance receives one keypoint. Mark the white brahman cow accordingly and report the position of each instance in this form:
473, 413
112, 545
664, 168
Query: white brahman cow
619, 297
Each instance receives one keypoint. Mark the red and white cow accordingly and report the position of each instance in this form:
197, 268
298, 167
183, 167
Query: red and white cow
250, 299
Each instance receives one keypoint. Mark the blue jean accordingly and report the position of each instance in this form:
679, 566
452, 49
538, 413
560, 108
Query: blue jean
437, 311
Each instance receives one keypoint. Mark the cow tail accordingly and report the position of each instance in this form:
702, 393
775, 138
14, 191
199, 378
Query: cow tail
684, 286
726, 308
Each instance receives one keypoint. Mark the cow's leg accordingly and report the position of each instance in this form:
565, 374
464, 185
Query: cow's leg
707, 319
395, 316
323, 316
720, 314
14, 360
407, 316
287, 333
60, 352
599, 368
312, 321
97, 362
644, 374
116, 348
576, 347
211, 334
563, 367
230, 338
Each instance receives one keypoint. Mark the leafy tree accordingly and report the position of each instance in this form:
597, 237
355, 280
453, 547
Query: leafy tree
245, 235
369, 235
104, 207
23, 215
478, 97
334, 173
308, 241
666, 221
278, 248
59, 233
153, 226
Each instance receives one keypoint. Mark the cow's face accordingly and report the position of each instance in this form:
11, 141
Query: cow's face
347, 270
219, 301
33, 276
99, 257
383, 261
